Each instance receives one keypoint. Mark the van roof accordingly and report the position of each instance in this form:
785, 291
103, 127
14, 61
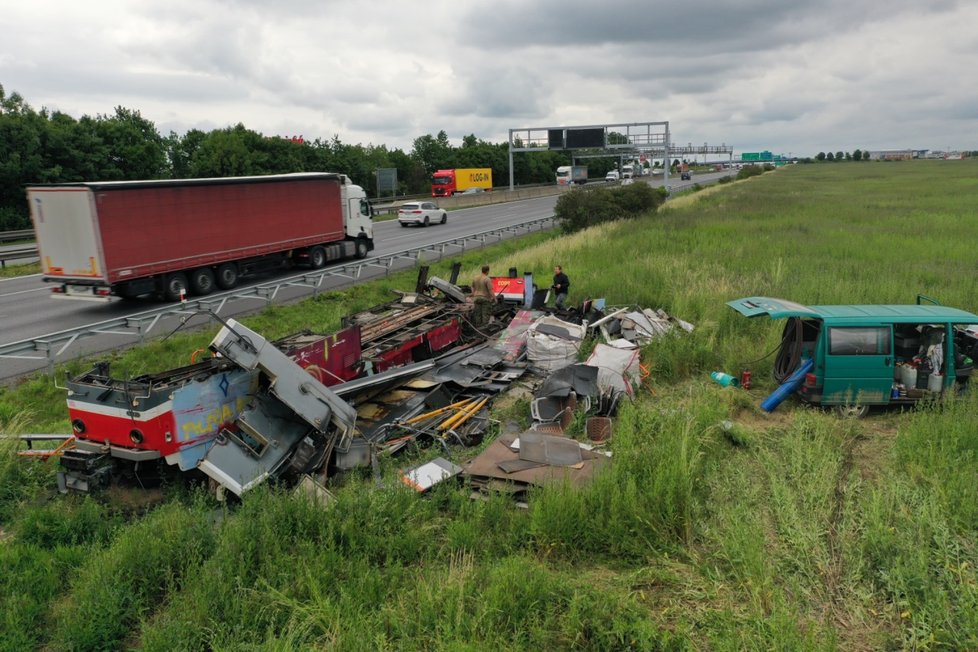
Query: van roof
853, 313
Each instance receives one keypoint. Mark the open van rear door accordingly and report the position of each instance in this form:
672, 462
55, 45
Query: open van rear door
774, 308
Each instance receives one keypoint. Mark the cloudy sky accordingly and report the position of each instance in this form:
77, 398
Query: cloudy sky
791, 76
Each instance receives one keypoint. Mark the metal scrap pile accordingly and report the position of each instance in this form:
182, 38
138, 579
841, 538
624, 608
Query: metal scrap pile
400, 374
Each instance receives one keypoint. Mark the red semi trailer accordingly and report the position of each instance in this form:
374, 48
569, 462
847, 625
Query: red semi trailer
171, 237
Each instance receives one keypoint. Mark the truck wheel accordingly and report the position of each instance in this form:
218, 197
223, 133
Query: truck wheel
202, 281
227, 276
174, 284
427, 222
362, 248
444, 218
317, 257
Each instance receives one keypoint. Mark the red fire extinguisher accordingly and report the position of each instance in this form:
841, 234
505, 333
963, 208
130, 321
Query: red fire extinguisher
745, 378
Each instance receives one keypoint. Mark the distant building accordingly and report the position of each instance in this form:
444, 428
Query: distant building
896, 154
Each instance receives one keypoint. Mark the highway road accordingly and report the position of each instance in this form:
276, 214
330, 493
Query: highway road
27, 310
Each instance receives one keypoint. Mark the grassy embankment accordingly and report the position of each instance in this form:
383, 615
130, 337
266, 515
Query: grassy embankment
11, 270
807, 532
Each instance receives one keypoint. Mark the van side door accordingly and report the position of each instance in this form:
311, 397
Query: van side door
858, 365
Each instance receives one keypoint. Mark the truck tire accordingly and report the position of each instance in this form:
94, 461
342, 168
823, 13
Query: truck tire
362, 248
444, 218
317, 257
173, 285
227, 276
202, 281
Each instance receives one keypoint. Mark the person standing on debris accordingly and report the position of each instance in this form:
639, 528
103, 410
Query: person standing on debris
560, 286
483, 297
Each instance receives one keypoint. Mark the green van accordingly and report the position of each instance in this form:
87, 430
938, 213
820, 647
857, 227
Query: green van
867, 355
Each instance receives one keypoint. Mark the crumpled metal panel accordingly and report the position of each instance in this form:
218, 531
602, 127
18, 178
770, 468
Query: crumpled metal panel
580, 378
311, 401
266, 435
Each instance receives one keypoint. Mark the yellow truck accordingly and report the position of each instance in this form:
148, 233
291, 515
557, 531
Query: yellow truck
445, 183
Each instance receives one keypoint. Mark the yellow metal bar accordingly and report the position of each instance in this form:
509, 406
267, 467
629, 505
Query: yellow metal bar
463, 415
435, 413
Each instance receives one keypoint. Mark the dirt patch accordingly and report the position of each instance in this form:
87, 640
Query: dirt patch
133, 500
865, 448
871, 448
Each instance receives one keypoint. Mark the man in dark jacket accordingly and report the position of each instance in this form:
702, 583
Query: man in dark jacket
560, 286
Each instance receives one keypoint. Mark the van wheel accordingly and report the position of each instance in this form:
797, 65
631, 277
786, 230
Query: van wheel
851, 411
202, 281
444, 217
227, 276
174, 286
317, 257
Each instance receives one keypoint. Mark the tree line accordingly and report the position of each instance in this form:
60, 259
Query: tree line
855, 155
41, 146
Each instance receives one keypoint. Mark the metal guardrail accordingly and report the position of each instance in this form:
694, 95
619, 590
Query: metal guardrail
11, 236
16, 253
141, 325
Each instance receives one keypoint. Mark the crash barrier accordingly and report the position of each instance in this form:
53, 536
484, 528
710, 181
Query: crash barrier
12, 236
17, 253
54, 347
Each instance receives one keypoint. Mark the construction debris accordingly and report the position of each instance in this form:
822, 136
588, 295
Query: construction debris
408, 373
552, 343
424, 477
501, 469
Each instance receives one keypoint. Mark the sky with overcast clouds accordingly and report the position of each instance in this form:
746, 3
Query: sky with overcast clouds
790, 76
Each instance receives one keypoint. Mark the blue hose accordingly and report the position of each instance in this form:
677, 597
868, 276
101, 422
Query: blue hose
788, 387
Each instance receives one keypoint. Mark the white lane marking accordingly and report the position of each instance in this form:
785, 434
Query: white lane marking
10, 294
17, 278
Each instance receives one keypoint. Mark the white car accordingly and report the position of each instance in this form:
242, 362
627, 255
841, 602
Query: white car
611, 176
421, 212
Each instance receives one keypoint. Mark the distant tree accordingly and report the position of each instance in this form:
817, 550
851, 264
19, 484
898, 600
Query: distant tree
433, 152
225, 153
615, 138
857, 155
830, 156
866, 155
180, 151
839, 156
820, 156
469, 141
848, 156
133, 148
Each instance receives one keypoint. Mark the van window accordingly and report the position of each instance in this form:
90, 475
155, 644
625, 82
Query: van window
859, 341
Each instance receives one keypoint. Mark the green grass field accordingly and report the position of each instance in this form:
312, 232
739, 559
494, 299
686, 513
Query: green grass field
800, 532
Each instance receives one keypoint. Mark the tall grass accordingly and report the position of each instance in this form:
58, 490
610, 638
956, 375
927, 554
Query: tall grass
791, 530
917, 542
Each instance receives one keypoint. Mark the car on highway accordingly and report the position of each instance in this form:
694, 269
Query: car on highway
472, 191
686, 175
421, 213
611, 176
